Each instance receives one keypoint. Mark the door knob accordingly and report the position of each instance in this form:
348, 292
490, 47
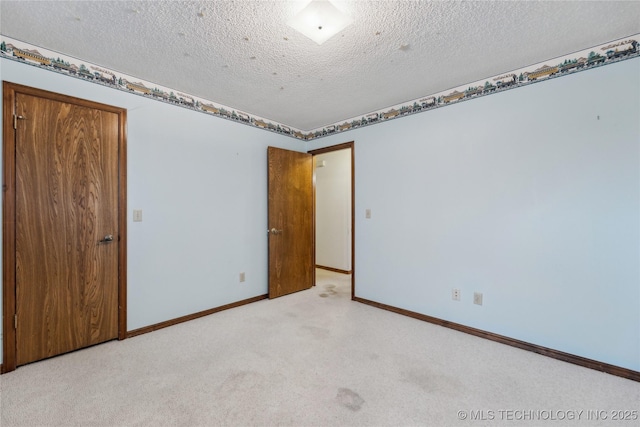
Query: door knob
106, 239
274, 231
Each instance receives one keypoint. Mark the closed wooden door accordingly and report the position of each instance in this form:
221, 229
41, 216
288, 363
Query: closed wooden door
291, 263
66, 226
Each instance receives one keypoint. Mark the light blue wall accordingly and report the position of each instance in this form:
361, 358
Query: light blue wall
201, 183
525, 196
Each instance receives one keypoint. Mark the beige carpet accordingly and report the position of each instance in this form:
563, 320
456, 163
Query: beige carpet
311, 359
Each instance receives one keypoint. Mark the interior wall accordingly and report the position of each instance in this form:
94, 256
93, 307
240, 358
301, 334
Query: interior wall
529, 196
201, 183
333, 209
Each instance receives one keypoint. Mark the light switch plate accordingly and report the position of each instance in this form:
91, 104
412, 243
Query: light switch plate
477, 298
137, 215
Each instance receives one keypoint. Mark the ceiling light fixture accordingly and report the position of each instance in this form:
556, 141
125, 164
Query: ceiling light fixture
320, 20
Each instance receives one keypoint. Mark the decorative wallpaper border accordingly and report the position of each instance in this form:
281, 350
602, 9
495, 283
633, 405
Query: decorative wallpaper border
49, 60
607, 53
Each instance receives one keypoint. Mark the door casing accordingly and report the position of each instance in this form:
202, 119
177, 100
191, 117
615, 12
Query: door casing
351, 146
9, 211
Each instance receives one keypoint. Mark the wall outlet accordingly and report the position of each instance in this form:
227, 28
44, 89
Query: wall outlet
367, 213
455, 294
137, 215
242, 277
477, 298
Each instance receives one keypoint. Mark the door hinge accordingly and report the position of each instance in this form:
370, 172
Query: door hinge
15, 321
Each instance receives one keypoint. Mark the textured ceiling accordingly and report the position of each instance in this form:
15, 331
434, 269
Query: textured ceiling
242, 53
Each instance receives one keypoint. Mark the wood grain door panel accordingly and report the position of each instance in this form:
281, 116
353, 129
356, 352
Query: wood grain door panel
66, 201
291, 264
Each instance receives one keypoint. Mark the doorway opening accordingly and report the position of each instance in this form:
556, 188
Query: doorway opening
334, 211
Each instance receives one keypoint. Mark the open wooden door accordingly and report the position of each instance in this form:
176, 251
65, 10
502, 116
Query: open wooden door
291, 241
